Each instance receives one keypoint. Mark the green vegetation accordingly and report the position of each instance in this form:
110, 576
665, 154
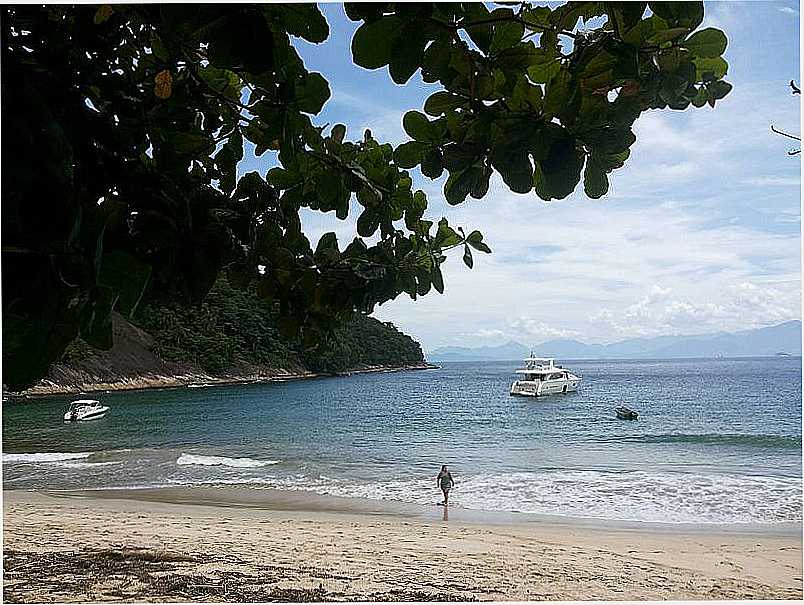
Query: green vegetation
123, 127
233, 328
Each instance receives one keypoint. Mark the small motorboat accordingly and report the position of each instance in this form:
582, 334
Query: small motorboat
624, 413
85, 409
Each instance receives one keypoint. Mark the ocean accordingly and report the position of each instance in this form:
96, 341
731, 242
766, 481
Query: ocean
718, 441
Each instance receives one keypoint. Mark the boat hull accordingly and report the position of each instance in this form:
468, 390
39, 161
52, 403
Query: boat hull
524, 388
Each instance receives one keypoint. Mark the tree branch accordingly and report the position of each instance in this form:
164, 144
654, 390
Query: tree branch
784, 134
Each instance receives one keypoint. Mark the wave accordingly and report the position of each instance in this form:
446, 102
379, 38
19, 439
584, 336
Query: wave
45, 457
616, 496
740, 440
194, 459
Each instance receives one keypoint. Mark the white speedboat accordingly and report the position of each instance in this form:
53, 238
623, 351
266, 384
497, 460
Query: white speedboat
541, 376
85, 409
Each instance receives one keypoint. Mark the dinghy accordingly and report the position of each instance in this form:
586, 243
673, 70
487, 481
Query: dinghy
624, 413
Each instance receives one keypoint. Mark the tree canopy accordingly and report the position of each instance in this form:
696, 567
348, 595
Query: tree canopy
123, 127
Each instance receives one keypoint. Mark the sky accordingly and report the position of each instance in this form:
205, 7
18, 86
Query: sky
699, 233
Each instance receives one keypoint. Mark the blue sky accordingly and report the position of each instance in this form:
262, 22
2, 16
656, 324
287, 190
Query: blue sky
700, 231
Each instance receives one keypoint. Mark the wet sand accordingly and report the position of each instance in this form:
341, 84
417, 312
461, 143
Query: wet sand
232, 544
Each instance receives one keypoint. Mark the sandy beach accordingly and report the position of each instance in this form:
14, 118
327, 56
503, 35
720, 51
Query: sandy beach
208, 544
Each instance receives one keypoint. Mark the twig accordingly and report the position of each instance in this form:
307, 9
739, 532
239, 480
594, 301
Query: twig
784, 134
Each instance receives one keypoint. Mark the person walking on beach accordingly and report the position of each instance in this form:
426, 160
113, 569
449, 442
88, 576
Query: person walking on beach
445, 482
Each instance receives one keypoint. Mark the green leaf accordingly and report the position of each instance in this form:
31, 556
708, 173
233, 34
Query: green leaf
242, 41
420, 128
438, 279
481, 35
595, 181
423, 283
338, 133
368, 222
410, 154
709, 43
311, 93
282, 178
326, 252
710, 69
305, 21
475, 239
679, 14
328, 187
432, 164
407, 51
514, 166
701, 97
544, 71
446, 236
626, 15
372, 42
506, 34
442, 102
667, 35
459, 184
558, 174
225, 82
481, 184
559, 94
467, 256
102, 14
719, 89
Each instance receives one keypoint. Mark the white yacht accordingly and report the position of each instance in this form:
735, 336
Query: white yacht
85, 409
541, 376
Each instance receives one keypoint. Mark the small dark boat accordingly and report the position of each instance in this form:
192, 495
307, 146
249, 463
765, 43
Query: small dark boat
624, 413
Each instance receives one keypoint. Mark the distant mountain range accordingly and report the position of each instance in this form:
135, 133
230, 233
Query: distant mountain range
784, 338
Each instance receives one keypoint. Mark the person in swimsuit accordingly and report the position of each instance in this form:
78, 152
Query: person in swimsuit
445, 482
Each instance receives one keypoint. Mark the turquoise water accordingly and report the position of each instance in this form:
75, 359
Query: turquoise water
717, 441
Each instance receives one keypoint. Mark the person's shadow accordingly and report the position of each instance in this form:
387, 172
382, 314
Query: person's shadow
446, 513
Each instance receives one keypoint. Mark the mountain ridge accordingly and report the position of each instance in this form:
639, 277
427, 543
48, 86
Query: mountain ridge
755, 342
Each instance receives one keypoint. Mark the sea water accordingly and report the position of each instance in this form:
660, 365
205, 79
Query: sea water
717, 441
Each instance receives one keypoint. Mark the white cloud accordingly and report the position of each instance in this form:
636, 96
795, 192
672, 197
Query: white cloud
539, 329
773, 181
661, 268
483, 333
788, 10
740, 306
384, 120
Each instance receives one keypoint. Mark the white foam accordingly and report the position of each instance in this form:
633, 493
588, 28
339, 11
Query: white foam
194, 459
87, 464
45, 457
634, 496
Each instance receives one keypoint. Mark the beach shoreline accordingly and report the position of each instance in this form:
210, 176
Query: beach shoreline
241, 544
48, 388
308, 501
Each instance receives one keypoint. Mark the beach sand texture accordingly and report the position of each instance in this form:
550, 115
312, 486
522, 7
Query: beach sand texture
90, 548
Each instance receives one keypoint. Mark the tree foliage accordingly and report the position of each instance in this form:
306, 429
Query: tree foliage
124, 126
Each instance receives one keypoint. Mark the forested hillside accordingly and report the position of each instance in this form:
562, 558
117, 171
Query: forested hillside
232, 328
231, 336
